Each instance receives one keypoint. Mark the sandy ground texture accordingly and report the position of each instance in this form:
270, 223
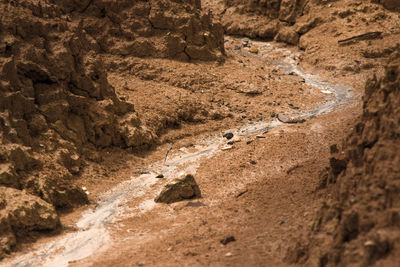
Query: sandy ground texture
289, 104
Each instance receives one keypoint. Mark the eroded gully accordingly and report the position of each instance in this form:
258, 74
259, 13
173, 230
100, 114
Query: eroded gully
93, 235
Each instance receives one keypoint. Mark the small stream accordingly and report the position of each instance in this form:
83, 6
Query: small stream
93, 235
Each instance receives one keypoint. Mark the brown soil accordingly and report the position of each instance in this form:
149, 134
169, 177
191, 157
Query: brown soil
361, 224
93, 92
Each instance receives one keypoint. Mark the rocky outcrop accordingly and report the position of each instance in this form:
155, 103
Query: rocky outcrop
156, 28
362, 224
21, 213
288, 20
262, 18
55, 98
391, 4
179, 189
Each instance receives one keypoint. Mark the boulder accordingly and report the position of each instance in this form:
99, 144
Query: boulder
21, 213
289, 119
179, 189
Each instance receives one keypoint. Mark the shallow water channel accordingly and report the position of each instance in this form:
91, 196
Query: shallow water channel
93, 235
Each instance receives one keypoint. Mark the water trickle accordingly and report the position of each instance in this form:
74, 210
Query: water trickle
93, 236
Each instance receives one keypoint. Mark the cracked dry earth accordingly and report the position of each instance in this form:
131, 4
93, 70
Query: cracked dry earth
261, 188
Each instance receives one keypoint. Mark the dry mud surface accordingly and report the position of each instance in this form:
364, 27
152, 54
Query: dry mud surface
99, 98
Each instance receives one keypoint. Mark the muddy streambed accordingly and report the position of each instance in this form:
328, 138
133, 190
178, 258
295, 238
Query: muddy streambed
93, 235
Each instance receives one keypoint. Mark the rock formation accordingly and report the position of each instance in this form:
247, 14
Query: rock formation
55, 98
179, 189
21, 213
362, 224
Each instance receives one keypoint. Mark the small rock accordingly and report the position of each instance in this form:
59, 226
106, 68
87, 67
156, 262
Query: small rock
369, 243
226, 148
286, 119
251, 90
85, 190
229, 254
179, 189
160, 176
195, 204
139, 171
231, 142
228, 136
253, 50
253, 162
227, 240
260, 136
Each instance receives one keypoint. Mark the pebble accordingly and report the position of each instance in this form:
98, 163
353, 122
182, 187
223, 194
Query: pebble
138, 171
227, 240
195, 204
369, 243
229, 254
260, 136
226, 148
228, 135
253, 50
160, 176
253, 162
85, 190
231, 142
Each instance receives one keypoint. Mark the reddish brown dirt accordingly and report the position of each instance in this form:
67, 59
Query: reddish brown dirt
276, 203
263, 191
361, 224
